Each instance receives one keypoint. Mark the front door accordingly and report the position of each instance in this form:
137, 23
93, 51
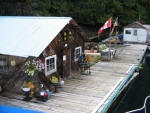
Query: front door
66, 62
135, 36
142, 35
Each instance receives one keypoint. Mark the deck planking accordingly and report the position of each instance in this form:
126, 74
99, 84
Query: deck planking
83, 93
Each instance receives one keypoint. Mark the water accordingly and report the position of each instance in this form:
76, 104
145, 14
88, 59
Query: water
134, 96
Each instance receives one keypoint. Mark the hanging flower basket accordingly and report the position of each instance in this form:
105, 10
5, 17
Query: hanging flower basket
32, 66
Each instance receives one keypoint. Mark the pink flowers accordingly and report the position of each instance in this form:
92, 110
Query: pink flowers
32, 66
39, 65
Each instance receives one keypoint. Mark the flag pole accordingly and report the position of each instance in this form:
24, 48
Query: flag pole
110, 32
98, 37
110, 27
116, 26
109, 54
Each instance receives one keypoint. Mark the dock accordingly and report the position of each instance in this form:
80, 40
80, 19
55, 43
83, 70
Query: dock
92, 93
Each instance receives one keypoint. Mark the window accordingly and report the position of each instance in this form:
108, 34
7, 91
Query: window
50, 64
78, 52
135, 32
3, 63
128, 32
67, 35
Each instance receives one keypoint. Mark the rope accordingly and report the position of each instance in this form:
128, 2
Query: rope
144, 107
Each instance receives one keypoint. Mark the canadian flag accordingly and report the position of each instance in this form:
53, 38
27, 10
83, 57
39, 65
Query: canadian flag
106, 25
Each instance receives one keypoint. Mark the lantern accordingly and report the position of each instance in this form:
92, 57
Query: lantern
12, 62
65, 34
70, 34
65, 38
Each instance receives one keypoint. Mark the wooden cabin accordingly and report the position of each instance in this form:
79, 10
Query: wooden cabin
136, 33
57, 42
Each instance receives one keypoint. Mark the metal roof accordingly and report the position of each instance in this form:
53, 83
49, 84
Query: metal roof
147, 26
28, 36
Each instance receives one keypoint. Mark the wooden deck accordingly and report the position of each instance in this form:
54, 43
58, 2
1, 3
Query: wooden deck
86, 93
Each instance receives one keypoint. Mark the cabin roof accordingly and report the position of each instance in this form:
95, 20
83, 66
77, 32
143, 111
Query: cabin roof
137, 25
147, 26
28, 36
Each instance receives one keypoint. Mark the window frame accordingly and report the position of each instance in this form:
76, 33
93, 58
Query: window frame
128, 32
77, 54
3, 63
53, 66
135, 32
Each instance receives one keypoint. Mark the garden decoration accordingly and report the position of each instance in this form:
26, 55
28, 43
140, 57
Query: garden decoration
61, 82
43, 94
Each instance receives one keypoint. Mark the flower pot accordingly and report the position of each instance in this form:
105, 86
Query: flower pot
26, 89
27, 94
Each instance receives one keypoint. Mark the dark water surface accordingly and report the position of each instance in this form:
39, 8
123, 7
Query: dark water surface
134, 97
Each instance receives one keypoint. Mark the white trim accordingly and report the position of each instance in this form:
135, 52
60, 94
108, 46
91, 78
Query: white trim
129, 69
55, 64
80, 47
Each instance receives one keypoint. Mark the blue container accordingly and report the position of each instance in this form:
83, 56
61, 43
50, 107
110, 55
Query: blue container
120, 36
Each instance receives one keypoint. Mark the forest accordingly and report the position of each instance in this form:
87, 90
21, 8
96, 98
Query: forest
84, 12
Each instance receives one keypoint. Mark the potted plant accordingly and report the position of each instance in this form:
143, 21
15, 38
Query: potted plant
28, 87
139, 67
31, 67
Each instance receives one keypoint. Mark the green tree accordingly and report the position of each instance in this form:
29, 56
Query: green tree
91, 12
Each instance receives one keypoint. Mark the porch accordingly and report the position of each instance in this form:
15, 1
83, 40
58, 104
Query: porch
86, 93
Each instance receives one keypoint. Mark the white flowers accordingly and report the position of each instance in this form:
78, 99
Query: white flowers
102, 47
33, 66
